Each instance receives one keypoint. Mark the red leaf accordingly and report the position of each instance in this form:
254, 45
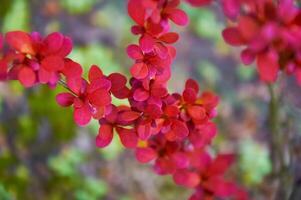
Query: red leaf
105, 136
27, 76
65, 99
145, 155
53, 63
268, 66
128, 137
82, 115
179, 17
20, 41
232, 36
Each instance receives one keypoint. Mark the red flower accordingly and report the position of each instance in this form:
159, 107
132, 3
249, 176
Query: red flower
88, 99
42, 60
270, 31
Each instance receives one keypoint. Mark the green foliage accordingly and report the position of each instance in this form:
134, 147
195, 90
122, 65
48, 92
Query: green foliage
4, 194
209, 72
78, 6
96, 54
245, 73
254, 162
17, 18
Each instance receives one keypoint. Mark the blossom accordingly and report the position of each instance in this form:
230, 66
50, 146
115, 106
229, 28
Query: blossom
89, 99
37, 60
270, 32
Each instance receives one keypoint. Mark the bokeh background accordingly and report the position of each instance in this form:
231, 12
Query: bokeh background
44, 155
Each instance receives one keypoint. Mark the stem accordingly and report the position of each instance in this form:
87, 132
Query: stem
280, 171
63, 83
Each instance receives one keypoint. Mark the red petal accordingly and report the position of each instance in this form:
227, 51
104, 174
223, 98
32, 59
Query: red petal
171, 111
128, 137
232, 36
140, 95
180, 160
180, 129
186, 178
139, 70
199, 2
82, 115
169, 37
94, 73
190, 83
52, 63
72, 69
122, 93
145, 155
20, 41
248, 27
66, 47
27, 76
220, 164
147, 43
136, 11
247, 57
44, 75
189, 95
100, 98
268, 66
220, 187
196, 112
118, 81
134, 52
3, 70
179, 17
128, 116
65, 99
53, 42
105, 136
144, 130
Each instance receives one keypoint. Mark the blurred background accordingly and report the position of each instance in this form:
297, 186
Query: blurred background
44, 155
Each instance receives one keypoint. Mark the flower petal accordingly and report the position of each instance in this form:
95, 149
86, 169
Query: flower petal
128, 137
82, 115
27, 76
105, 136
65, 99
145, 155
20, 41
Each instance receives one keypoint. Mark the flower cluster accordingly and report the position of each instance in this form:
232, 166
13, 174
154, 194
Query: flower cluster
270, 31
171, 130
